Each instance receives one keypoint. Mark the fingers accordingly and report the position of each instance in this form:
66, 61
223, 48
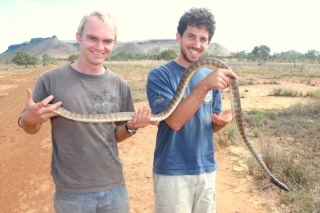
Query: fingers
37, 113
141, 118
45, 102
216, 120
29, 97
144, 115
49, 109
232, 74
221, 77
223, 118
39, 105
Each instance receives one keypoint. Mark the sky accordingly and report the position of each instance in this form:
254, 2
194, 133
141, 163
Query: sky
241, 25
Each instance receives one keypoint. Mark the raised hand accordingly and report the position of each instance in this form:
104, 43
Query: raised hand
37, 113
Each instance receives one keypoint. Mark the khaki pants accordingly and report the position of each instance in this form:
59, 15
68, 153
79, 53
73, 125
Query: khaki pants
185, 193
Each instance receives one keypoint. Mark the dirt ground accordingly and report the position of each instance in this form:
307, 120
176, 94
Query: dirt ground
26, 184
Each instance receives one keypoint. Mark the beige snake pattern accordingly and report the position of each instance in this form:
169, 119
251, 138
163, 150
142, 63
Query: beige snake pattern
210, 63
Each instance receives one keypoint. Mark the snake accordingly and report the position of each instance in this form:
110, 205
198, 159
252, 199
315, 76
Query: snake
209, 63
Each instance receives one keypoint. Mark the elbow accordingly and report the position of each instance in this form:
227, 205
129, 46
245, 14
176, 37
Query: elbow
175, 127
174, 124
30, 132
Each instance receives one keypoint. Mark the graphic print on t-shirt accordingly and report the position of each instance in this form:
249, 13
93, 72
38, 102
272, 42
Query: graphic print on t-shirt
208, 98
157, 98
104, 102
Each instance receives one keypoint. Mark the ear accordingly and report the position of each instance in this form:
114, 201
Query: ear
208, 45
178, 38
78, 36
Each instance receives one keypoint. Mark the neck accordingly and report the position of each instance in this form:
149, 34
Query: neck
90, 70
182, 62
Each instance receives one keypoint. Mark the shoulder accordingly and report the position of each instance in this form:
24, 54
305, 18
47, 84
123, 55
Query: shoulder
115, 77
165, 71
57, 71
166, 67
117, 80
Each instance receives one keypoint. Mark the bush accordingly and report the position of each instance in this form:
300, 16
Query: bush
25, 59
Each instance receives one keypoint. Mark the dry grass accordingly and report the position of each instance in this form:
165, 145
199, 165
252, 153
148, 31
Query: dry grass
135, 73
288, 140
290, 146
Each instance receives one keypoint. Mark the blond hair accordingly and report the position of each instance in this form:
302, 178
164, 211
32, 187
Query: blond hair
105, 19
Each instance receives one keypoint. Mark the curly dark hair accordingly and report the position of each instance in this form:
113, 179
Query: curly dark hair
199, 17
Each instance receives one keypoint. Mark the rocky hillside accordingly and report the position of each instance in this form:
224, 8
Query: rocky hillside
62, 49
40, 46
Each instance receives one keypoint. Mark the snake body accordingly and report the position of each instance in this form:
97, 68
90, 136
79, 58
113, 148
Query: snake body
210, 63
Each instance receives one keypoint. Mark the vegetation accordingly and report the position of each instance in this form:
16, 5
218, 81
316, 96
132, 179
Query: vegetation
168, 55
47, 59
289, 145
260, 54
287, 139
72, 58
124, 56
25, 59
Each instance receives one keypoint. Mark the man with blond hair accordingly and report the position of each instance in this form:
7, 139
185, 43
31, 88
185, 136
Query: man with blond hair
85, 166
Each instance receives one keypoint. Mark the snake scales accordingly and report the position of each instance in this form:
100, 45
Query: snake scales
210, 63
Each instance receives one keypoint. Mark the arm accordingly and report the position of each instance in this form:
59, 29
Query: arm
140, 119
36, 113
188, 106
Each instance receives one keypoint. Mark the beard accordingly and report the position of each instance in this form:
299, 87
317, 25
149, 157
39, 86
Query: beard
188, 59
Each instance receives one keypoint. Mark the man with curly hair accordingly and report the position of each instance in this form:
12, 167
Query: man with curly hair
184, 163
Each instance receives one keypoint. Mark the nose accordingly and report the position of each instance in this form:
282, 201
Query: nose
99, 45
196, 43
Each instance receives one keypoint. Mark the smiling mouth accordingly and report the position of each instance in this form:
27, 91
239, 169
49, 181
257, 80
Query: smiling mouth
96, 53
194, 52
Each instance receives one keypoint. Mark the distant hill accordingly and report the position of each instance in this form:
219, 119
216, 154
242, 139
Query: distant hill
40, 46
62, 49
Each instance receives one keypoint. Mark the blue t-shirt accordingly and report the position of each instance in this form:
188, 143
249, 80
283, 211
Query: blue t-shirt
189, 151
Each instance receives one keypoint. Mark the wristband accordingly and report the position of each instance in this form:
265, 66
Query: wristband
130, 131
19, 122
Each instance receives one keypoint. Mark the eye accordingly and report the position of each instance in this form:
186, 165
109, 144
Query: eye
204, 40
108, 41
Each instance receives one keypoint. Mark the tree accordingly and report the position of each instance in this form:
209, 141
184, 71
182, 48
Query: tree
47, 59
168, 54
261, 53
5, 60
73, 58
240, 56
25, 59
312, 55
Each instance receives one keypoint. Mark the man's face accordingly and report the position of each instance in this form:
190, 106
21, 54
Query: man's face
194, 43
96, 41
